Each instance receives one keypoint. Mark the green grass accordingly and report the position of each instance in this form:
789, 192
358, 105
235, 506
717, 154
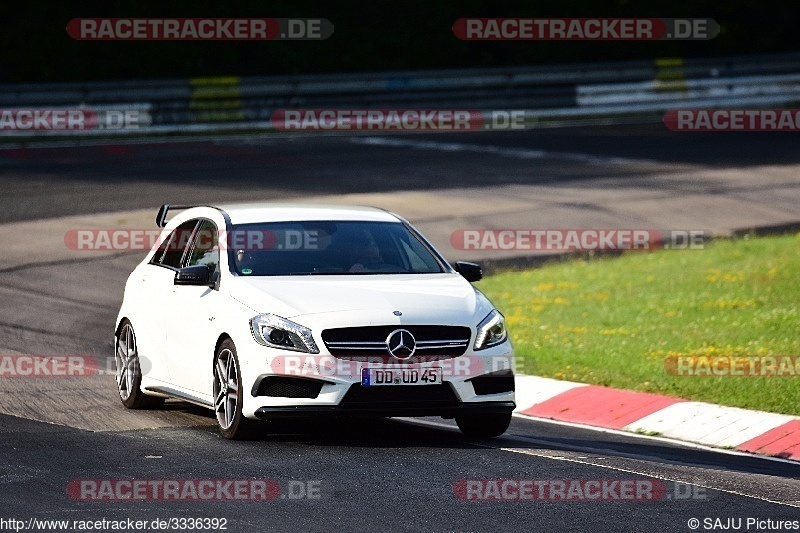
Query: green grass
614, 321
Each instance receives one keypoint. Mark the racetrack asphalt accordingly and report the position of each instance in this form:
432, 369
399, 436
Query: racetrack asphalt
393, 475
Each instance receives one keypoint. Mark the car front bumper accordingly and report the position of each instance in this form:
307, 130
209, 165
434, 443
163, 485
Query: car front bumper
474, 383
480, 408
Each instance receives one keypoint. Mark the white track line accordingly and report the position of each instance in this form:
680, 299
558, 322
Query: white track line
582, 459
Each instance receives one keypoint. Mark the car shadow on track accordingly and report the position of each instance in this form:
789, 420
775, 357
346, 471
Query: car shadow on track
355, 432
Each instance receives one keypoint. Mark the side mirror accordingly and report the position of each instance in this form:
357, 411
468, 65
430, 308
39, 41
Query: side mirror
199, 275
470, 271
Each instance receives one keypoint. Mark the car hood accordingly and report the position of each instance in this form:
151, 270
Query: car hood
421, 298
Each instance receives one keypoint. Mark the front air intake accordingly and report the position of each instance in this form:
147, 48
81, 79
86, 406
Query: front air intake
288, 387
494, 383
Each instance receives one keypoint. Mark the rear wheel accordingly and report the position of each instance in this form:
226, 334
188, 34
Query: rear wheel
228, 394
483, 425
129, 371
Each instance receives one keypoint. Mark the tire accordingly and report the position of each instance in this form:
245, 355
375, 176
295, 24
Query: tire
483, 426
128, 373
228, 394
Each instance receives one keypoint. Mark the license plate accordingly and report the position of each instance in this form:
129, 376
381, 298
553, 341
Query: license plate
374, 377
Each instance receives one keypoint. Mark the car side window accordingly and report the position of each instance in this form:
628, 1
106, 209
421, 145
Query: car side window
170, 253
205, 246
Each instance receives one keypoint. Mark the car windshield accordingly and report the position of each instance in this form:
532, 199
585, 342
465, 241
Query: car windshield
323, 247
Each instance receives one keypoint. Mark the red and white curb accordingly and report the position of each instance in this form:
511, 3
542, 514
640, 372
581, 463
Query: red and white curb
653, 414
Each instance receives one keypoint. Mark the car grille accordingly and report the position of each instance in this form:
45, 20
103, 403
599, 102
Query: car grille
368, 343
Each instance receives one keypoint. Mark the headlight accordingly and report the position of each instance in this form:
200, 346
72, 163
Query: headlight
491, 331
276, 332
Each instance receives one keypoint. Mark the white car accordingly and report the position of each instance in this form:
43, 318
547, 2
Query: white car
264, 311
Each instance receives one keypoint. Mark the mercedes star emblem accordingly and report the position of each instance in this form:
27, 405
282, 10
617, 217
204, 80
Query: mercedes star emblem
401, 344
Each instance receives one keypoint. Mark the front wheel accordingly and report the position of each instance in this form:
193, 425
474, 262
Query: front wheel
129, 371
483, 426
228, 394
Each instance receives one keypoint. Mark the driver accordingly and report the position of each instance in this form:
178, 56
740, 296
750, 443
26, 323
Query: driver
364, 252
245, 261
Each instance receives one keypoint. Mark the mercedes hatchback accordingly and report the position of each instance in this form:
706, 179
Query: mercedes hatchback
267, 311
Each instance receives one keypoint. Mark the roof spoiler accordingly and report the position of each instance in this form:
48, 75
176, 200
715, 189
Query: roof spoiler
161, 217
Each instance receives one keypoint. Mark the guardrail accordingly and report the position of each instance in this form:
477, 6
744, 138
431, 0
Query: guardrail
545, 92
